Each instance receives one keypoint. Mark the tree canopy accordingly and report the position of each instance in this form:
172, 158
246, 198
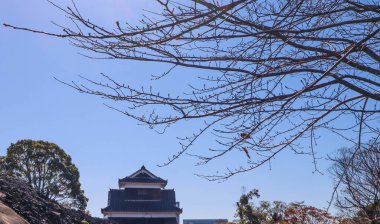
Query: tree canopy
279, 212
271, 72
48, 169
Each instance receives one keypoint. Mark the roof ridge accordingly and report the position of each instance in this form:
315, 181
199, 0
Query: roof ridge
142, 169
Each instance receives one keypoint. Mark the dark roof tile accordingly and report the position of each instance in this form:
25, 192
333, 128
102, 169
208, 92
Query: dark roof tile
119, 203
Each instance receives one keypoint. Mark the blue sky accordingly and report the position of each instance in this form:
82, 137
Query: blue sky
104, 144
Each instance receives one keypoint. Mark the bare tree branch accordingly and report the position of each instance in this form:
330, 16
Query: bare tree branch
274, 73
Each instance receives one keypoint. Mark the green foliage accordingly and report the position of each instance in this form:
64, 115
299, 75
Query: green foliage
245, 210
48, 169
84, 222
266, 212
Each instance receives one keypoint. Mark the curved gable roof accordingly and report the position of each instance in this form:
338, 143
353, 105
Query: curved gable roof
142, 176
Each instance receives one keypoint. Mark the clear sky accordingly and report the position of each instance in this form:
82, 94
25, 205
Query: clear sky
104, 144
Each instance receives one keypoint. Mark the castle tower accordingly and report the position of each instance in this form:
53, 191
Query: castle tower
142, 199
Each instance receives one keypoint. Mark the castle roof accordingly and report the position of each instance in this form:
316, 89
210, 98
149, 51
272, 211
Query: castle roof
129, 200
143, 176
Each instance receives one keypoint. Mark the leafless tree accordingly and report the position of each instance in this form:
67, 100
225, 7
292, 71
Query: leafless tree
357, 170
273, 74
